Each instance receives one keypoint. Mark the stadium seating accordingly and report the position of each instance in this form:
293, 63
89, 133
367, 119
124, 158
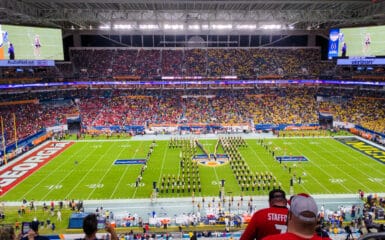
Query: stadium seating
88, 64
130, 64
286, 105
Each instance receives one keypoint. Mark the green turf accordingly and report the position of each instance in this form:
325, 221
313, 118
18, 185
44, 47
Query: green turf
332, 168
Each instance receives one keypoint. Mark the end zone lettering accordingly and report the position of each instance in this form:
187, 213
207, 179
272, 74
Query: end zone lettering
364, 147
14, 174
368, 150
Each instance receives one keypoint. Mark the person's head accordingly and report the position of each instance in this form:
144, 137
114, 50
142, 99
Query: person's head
277, 197
90, 224
302, 216
34, 225
7, 232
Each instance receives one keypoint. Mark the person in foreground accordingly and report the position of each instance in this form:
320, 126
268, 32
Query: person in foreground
90, 228
301, 220
33, 233
268, 221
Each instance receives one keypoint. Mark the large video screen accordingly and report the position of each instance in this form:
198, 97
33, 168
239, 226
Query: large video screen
30, 43
357, 42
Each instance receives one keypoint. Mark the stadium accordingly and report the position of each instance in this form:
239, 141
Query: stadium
175, 119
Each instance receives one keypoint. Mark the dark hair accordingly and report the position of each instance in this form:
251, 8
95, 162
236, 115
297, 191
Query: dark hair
276, 193
90, 224
34, 225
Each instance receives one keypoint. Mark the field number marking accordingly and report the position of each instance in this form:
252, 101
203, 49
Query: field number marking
336, 180
52, 187
376, 180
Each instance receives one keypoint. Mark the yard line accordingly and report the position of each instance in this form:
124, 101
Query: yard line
321, 157
63, 163
214, 168
165, 150
258, 157
89, 171
361, 172
314, 179
363, 154
124, 174
296, 150
73, 170
345, 173
216, 175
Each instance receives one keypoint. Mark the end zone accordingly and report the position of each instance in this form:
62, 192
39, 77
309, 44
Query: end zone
16, 173
364, 147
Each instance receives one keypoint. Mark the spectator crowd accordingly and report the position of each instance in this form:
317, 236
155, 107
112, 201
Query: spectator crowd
25, 113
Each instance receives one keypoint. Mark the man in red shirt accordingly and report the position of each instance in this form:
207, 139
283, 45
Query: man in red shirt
268, 221
301, 220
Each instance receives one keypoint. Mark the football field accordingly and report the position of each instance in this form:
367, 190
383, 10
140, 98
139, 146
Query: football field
110, 169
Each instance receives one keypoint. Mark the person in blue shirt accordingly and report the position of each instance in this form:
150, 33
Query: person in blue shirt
11, 52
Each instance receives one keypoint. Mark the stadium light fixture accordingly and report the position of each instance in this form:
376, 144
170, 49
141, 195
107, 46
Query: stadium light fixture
105, 27
148, 26
205, 27
193, 27
173, 27
123, 26
271, 26
246, 26
221, 26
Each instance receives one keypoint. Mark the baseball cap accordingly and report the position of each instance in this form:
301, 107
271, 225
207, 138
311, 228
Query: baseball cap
304, 207
276, 194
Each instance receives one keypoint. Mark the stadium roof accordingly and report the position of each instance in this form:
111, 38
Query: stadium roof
300, 14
